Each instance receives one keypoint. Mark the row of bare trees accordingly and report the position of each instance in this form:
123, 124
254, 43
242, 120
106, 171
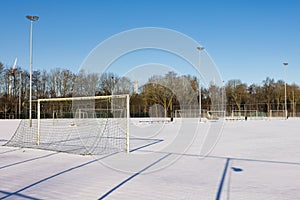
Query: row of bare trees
270, 95
170, 91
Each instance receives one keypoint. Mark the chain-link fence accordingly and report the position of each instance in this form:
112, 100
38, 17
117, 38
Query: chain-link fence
250, 110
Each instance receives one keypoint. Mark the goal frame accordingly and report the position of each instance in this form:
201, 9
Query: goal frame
278, 111
210, 116
242, 113
39, 101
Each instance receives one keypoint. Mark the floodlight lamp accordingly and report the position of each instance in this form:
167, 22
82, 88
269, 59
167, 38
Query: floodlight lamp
32, 18
285, 63
200, 48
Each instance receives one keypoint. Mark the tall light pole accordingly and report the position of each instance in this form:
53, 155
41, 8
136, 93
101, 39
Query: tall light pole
293, 103
32, 19
112, 94
20, 95
200, 103
285, 105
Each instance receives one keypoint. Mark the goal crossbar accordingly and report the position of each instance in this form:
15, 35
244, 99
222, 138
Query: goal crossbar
83, 98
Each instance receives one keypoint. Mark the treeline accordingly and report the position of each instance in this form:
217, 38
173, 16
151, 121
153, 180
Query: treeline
170, 91
269, 95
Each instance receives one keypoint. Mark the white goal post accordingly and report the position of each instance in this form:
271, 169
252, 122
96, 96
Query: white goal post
80, 125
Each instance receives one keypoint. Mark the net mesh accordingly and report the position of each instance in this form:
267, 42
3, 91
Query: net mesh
187, 113
279, 114
215, 114
98, 126
244, 113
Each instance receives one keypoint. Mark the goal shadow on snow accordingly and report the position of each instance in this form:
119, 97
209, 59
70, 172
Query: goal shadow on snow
8, 151
133, 176
229, 169
226, 170
143, 140
18, 192
8, 194
85, 145
28, 160
226, 173
65, 147
152, 142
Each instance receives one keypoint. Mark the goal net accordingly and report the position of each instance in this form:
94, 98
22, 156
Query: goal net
215, 114
244, 113
277, 114
80, 125
187, 113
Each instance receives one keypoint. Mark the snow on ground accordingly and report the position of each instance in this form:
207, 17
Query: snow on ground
254, 159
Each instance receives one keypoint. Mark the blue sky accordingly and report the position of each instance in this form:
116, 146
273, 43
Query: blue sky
247, 39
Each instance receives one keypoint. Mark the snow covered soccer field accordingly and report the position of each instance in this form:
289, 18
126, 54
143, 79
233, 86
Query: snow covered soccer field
254, 159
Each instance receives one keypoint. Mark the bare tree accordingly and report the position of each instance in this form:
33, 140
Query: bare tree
268, 91
106, 83
1, 78
67, 84
236, 93
85, 84
168, 90
279, 94
123, 86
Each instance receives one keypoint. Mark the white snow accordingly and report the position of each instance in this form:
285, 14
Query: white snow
254, 159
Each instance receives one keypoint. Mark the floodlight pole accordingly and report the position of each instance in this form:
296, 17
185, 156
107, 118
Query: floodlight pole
112, 93
20, 95
285, 104
293, 103
200, 99
31, 19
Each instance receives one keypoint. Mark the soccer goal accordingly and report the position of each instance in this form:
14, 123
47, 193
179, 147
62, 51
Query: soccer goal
215, 114
80, 125
242, 114
278, 114
187, 113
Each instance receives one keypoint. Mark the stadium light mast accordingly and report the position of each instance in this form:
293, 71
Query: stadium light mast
20, 95
31, 19
285, 105
112, 81
200, 103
